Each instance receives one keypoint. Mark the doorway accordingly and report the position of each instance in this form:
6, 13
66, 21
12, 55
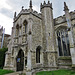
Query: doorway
20, 61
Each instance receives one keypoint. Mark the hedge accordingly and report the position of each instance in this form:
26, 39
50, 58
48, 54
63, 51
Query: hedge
2, 56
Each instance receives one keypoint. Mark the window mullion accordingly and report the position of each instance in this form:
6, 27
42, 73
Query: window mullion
66, 43
62, 44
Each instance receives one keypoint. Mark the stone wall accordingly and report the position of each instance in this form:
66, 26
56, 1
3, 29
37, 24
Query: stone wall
61, 23
36, 36
41, 30
64, 62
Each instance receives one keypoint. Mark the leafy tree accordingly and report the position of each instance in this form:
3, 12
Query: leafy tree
2, 56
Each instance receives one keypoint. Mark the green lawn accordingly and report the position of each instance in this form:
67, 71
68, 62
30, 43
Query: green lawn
2, 72
57, 72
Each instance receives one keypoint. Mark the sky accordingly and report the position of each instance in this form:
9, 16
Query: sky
8, 7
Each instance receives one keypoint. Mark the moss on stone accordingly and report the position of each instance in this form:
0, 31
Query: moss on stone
64, 58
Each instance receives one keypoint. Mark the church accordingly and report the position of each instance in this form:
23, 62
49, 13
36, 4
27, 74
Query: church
3, 38
40, 42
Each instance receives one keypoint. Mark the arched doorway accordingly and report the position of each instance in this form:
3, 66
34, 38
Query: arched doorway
20, 61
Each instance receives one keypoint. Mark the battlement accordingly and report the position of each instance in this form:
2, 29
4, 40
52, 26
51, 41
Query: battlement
46, 5
59, 20
62, 19
37, 14
26, 11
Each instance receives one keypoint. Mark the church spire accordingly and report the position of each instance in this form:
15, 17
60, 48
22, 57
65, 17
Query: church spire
30, 4
65, 6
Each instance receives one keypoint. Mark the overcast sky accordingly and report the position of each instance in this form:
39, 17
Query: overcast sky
8, 7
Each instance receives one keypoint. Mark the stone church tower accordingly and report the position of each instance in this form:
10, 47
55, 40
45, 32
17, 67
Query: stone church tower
48, 41
38, 42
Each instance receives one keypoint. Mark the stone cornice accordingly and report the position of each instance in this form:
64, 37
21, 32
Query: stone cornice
19, 45
63, 22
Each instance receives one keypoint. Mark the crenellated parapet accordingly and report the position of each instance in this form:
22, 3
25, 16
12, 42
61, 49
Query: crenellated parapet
23, 11
36, 14
62, 19
48, 4
59, 20
26, 12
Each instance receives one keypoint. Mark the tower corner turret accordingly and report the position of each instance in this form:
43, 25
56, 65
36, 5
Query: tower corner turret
48, 4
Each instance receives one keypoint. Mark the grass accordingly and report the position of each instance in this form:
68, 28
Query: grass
2, 72
57, 72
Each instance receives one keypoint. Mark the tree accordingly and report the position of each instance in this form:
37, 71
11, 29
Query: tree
2, 56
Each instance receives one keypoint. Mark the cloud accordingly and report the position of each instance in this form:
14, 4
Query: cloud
6, 12
71, 4
6, 22
57, 5
17, 4
8, 7
3, 4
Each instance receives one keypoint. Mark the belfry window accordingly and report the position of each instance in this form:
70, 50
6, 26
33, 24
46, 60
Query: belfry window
25, 26
63, 43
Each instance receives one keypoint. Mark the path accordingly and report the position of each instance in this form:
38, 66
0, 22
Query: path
15, 73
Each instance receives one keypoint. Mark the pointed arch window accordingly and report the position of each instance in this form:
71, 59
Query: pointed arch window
63, 42
59, 46
38, 54
17, 30
25, 23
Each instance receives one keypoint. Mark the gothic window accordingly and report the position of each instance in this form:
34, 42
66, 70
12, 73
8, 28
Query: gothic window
20, 30
26, 61
38, 54
59, 46
17, 30
25, 26
63, 43
68, 44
